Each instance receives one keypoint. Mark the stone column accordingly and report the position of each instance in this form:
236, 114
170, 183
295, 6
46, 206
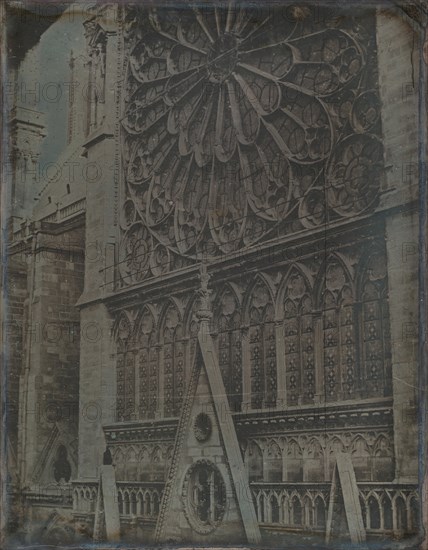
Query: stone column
319, 360
97, 353
27, 132
246, 370
160, 410
281, 401
401, 235
398, 52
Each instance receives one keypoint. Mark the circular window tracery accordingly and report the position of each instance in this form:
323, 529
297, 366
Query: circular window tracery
202, 427
204, 496
236, 122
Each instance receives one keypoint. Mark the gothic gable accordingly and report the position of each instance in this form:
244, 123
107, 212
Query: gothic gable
206, 493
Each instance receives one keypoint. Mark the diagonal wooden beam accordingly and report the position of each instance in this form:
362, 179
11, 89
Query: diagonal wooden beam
228, 433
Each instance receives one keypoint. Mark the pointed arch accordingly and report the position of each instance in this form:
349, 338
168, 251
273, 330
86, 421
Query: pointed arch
364, 508
293, 461
122, 330
125, 368
335, 446
60, 466
414, 514
119, 465
262, 346
227, 321
319, 513
126, 503
255, 498
158, 464
133, 503
174, 346
387, 512
148, 364
140, 502
273, 462
314, 461
296, 510
297, 305
383, 460
131, 465
120, 502
328, 278
144, 464
147, 311
308, 511
373, 506
254, 461
375, 344
285, 507
300, 269
336, 298
400, 513
261, 507
361, 459
260, 279
274, 508
147, 504
155, 501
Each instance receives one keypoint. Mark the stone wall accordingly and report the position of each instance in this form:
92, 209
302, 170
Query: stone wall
13, 340
50, 372
399, 43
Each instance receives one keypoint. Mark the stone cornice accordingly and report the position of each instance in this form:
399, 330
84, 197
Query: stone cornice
268, 254
20, 241
156, 430
369, 414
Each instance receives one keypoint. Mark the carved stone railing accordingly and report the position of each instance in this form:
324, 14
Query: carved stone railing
135, 499
66, 211
386, 507
85, 494
390, 507
139, 499
73, 208
51, 494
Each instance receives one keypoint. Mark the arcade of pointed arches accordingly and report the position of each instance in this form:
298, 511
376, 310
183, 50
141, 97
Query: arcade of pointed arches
295, 507
300, 508
291, 459
318, 333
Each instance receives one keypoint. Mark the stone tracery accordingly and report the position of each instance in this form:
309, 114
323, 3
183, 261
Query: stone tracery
148, 364
262, 347
330, 319
237, 132
237, 124
227, 323
299, 339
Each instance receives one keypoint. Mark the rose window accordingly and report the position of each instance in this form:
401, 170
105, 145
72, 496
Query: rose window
202, 427
241, 124
204, 496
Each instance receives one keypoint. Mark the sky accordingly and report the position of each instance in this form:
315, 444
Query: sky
44, 78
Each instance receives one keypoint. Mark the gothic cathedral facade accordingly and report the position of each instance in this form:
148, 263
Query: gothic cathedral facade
271, 154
